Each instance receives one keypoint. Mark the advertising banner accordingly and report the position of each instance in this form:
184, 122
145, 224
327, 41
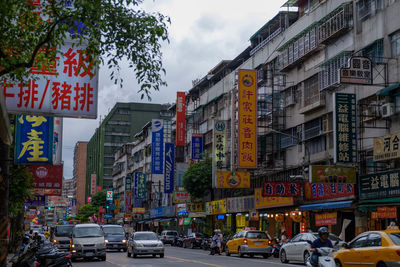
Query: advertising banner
240, 220
332, 174
181, 168
385, 213
328, 191
240, 204
345, 128
138, 210
57, 140
169, 167
261, 202
195, 207
33, 140
35, 201
247, 147
68, 88
93, 183
228, 179
327, 218
219, 145
180, 118
110, 195
282, 189
216, 207
387, 147
157, 146
180, 197
197, 146
140, 185
380, 185
358, 71
48, 178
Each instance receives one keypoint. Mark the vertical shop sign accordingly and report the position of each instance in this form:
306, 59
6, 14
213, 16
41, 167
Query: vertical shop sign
128, 194
47, 179
219, 145
93, 183
345, 128
169, 168
140, 185
180, 118
157, 146
34, 139
197, 146
247, 147
57, 140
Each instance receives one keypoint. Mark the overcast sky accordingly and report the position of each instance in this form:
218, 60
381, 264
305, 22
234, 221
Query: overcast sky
202, 33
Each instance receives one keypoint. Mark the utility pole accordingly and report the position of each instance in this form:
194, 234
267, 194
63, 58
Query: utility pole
4, 193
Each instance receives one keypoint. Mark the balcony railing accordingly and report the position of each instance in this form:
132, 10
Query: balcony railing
265, 41
336, 24
313, 102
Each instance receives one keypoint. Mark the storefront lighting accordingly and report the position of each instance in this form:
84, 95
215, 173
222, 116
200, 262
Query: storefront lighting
265, 214
286, 214
247, 215
299, 212
261, 215
293, 214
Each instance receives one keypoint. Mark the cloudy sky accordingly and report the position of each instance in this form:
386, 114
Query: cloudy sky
202, 33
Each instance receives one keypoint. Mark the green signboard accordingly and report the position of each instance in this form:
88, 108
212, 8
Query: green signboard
380, 185
187, 221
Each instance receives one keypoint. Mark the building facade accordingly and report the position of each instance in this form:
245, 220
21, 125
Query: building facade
79, 173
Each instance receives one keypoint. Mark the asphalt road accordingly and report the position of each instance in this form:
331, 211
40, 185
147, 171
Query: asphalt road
181, 257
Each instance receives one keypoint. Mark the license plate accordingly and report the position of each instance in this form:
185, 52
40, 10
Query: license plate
115, 246
89, 254
258, 243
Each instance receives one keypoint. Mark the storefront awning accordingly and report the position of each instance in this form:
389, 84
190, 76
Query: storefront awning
329, 205
386, 91
372, 204
166, 220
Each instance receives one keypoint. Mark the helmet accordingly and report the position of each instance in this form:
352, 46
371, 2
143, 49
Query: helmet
323, 230
283, 231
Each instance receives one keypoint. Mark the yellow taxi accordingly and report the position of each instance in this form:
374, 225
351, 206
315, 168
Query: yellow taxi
375, 248
249, 242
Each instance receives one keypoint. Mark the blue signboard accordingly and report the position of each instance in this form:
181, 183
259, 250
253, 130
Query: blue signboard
107, 216
140, 185
157, 145
197, 146
169, 168
35, 201
34, 139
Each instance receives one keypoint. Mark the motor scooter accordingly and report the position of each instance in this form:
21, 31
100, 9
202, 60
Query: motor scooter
214, 248
325, 258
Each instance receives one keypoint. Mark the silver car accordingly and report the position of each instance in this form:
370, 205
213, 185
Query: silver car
298, 249
145, 243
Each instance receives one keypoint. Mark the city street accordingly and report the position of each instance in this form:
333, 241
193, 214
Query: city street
181, 257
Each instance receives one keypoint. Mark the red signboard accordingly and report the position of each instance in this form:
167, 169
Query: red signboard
180, 118
93, 184
327, 218
327, 191
386, 212
282, 189
98, 188
128, 202
48, 178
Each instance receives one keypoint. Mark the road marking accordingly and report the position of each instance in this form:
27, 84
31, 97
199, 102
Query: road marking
194, 261
115, 263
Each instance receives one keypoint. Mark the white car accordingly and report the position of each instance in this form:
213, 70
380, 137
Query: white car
298, 248
145, 243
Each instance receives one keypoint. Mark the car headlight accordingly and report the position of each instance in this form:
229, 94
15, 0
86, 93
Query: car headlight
138, 244
76, 246
106, 241
123, 241
160, 244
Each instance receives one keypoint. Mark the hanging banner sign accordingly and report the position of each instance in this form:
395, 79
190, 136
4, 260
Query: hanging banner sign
387, 147
359, 71
47, 178
261, 202
247, 147
180, 118
35, 201
216, 207
328, 191
327, 218
282, 189
157, 146
180, 197
228, 179
345, 128
67, 88
332, 174
240, 204
93, 183
140, 186
197, 146
385, 213
169, 168
380, 185
34, 140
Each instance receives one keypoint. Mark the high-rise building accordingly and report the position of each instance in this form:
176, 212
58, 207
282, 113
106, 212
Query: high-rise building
79, 172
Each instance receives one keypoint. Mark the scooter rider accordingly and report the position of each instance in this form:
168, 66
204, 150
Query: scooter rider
321, 242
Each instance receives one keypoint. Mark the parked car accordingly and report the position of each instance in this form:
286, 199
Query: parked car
88, 242
62, 236
194, 240
298, 249
115, 237
250, 243
145, 243
375, 248
169, 236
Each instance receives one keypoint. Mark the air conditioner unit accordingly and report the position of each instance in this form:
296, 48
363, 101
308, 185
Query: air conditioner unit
387, 110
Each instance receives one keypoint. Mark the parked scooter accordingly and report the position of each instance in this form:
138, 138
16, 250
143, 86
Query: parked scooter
214, 248
274, 247
325, 258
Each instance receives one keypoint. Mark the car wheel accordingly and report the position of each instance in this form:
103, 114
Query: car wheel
154, 255
266, 256
338, 264
283, 256
161, 255
134, 255
128, 254
306, 257
251, 255
125, 249
381, 264
241, 254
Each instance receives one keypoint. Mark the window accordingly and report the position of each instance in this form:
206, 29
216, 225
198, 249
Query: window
240, 234
316, 145
297, 238
366, 8
374, 51
311, 91
312, 128
329, 74
256, 235
359, 243
395, 238
374, 240
395, 44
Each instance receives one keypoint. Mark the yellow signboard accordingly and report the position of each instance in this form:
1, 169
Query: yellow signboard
216, 207
233, 179
261, 202
195, 207
387, 147
247, 147
240, 221
333, 174
138, 210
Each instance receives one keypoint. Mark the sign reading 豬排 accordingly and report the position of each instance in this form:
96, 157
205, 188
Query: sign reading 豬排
140, 186
387, 147
345, 128
359, 71
380, 185
197, 146
282, 189
169, 168
157, 146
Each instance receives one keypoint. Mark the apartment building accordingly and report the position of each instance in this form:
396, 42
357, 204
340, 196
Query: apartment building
79, 173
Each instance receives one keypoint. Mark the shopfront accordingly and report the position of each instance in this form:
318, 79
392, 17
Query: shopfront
161, 218
216, 215
238, 213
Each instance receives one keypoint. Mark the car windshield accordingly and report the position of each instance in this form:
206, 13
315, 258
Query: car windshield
114, 230
63, 230
145, 236
395, 238
256, 235
88, 232
331, 237
171, 233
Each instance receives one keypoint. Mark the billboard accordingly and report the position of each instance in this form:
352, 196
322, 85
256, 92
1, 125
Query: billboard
228, 179
358, 71
282, 189
332, 174
387, 147
169, 167
180, 118
34, 140
328, 191
380, 185
140, 186
157, 146
261, 202
247, 147
197, 146
67, 88
47, 178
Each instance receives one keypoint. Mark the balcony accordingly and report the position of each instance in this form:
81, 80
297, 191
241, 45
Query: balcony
336, 23
312, 103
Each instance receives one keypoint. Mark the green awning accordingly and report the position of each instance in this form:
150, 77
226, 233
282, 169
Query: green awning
386, 91
371, 205
295, 38
290, 3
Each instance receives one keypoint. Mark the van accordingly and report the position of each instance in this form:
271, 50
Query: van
88, 242
62, 236
169, 236
115, 237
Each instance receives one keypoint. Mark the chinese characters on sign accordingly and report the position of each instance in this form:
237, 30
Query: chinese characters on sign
35, 201
359, 71
247, 147
128, 194
196, 207
47, 179
380, 185
345, 128
157, 146
283, 189
219, 145
197, 146
261, 202
332, 174
327, 191
140, 185
34, 139
68, 88
138, 210
92, 183
227, 179
216, 207
110, 195
180, 118
240, 204
387, 147
385, 213
169, 168
327, 218
180, 197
